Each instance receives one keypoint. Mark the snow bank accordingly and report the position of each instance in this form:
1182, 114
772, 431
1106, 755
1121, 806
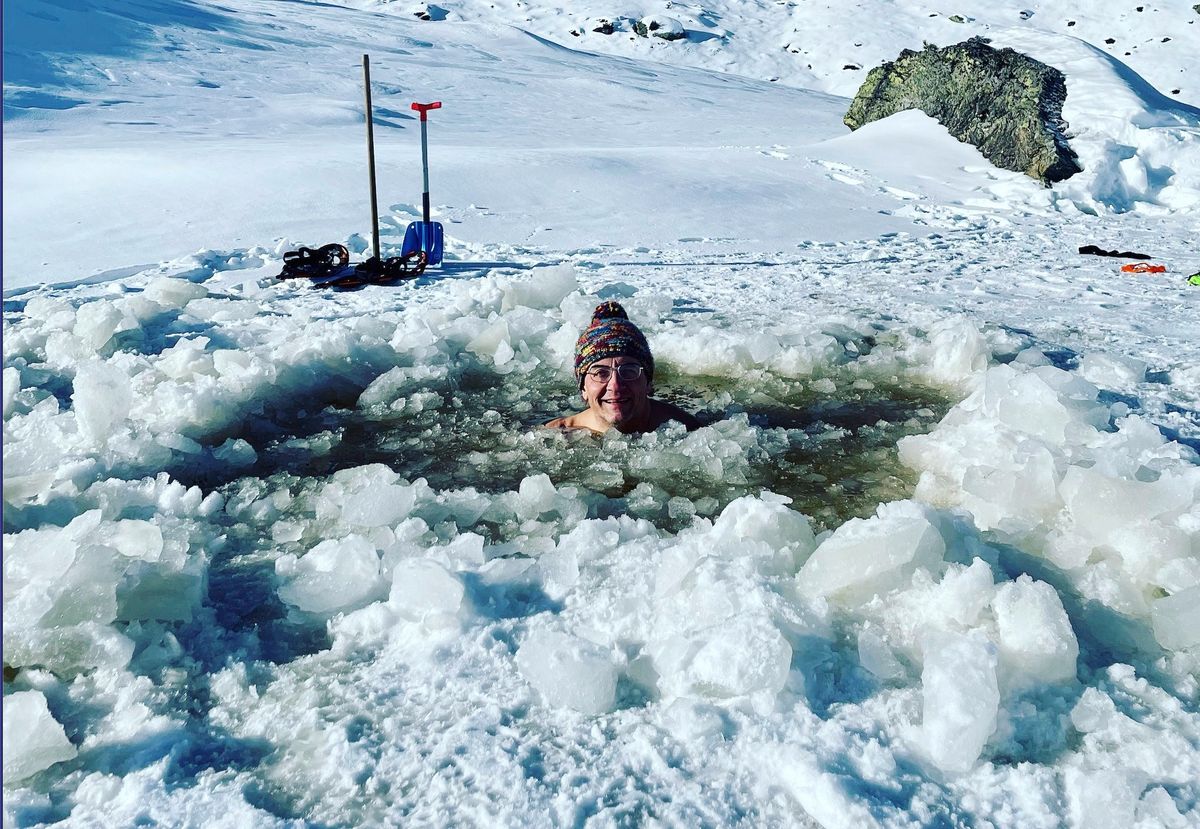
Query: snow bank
1139, 149
1033, 457
33, 739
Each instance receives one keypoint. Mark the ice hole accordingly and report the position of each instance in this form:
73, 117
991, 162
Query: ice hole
829, 444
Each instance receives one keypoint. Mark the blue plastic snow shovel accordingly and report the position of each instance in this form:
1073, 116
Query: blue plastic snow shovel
425, 236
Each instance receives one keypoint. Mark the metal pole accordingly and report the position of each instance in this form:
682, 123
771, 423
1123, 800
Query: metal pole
371, 160
425, 167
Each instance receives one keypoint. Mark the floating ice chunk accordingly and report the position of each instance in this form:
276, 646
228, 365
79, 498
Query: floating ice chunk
466, 550
1178, 575
535, 495
959, 352
97, 321
1136, 448
102, 398
133, 539
138, 307
186, 358
1146, 546
875, 655
384, 505
545, 289
33, 739
568, 671
487, 342
528, 329
1111, 371
680, 509
1157, 808
1176, 619
234, 366
87, 591
958, 602
504, 354
1043, 401
369, 624
691, 720
1035, 636
424, 590
172, 292
1095, 711
385, 388
162, 593
1102, 799
53, 313
1032, 357
12, 385
1014, 493
68, 650
236, 452
960, 698
1104, 504
802, 357
964, 592
560, 571
785, 536
745, 655
873, 556
466, 506
222, 310
336, 575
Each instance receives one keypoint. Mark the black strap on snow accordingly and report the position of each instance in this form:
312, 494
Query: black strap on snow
314, 262
381, 271
1121, 254
328, 267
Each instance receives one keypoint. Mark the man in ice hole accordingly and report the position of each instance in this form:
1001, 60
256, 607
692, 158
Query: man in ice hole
615, 372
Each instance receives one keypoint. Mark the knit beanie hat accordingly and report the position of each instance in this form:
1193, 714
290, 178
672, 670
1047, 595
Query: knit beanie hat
611, 334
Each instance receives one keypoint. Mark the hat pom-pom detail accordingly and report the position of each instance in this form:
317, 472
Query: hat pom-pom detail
608, 311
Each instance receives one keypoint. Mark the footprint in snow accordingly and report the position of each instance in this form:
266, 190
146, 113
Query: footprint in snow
901, 194
844, 179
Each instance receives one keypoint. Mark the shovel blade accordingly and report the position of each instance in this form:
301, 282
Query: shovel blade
426, 236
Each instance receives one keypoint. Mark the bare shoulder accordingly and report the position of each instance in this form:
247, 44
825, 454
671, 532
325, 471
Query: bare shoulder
662, 412
570, 423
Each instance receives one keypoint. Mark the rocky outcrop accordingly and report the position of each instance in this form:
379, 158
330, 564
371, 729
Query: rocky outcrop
1005, 103
668, 28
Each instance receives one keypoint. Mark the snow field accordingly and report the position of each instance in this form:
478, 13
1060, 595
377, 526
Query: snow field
563, 160
1049, 555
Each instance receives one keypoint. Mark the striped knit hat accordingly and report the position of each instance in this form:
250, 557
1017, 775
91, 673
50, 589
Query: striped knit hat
611, 334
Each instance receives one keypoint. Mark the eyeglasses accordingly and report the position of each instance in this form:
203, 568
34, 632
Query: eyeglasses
626, 372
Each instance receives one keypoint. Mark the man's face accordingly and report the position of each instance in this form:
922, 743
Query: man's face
617, 400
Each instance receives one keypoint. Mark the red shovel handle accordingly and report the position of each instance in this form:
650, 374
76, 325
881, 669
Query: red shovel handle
424, 108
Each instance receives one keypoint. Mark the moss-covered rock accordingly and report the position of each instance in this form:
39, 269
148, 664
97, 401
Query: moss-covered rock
1005, 103
668, 28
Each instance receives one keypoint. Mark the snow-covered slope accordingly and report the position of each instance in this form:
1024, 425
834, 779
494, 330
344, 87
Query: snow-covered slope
279, 555
236, 126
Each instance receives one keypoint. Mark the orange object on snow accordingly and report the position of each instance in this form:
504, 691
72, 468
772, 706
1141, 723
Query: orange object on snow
1143, 267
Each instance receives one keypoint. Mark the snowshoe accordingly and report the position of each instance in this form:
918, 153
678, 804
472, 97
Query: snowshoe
313, 263
382, 271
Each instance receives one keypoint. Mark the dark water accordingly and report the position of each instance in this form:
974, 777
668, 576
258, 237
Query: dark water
832, 449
